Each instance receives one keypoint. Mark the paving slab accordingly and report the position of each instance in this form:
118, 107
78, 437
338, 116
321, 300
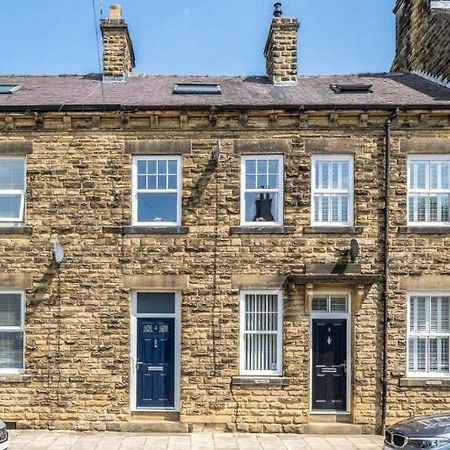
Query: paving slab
59, 440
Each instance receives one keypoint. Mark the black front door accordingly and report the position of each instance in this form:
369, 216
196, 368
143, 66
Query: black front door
329, 353
155, 363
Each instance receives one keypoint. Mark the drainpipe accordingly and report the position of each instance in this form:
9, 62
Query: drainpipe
387, 196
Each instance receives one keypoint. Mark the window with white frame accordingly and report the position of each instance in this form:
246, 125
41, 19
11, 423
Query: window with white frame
332, 190
12, 189
261, 333
262, 190
429, 190
12, 317
428, 334
157, 190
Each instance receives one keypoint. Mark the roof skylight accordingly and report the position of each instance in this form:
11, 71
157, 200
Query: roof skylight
9, 88
351, 88
197, 88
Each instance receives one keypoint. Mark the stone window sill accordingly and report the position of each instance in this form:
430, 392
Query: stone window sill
263, 230
147, 230
260, 381
423, 230
333, 230
16, 230
14, 378
424, 382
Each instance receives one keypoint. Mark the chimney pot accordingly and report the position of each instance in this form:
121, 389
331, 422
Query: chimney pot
278, 12
115, 12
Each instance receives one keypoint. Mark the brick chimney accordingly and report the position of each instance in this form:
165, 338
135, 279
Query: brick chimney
118, 54
423, 38
281, 49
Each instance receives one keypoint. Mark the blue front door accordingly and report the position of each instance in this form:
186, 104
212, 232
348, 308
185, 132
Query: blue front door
155, 363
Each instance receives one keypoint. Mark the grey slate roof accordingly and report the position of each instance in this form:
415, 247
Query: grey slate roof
142, 91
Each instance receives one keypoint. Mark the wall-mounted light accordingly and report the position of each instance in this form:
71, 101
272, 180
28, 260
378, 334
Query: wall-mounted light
57, 253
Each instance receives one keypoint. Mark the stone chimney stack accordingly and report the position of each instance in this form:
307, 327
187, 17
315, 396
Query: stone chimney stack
281, 49
423, 38
118, 54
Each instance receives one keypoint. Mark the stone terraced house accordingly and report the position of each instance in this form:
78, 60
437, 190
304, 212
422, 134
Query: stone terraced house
265, 253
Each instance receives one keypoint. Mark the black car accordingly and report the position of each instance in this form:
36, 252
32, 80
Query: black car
422, 432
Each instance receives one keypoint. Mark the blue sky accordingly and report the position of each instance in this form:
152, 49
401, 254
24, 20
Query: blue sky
213, 37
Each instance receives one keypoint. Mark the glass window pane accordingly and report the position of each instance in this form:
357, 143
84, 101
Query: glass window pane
433, 204
250, 166
12, 173
320, 303
345, 175
10, 206
155, 303
421, 354
445, 175
162, 182
172, 167
433, 355
421, 208
435, 175
11, 350
261, 181
273, 182
335, 216
317, 208
325, 208
421, 174
325, 174
141, 182
151, 167
335, 175
273, 166
172, 180
250, 181
162, 166
444, 354
338, 304
142, 167
444, 202
412, 352
421, 314
156, 207
261, 207
10, 310
151, 181
261, 165
445, 312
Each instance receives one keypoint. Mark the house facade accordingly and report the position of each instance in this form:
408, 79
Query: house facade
244, 253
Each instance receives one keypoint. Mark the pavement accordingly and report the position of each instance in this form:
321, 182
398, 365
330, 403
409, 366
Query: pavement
56, 440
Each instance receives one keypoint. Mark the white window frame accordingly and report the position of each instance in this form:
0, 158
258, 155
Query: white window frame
425, 158
243, 332
135, 189
427, 334
20, 192
330, 190
279, 190
13, 329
